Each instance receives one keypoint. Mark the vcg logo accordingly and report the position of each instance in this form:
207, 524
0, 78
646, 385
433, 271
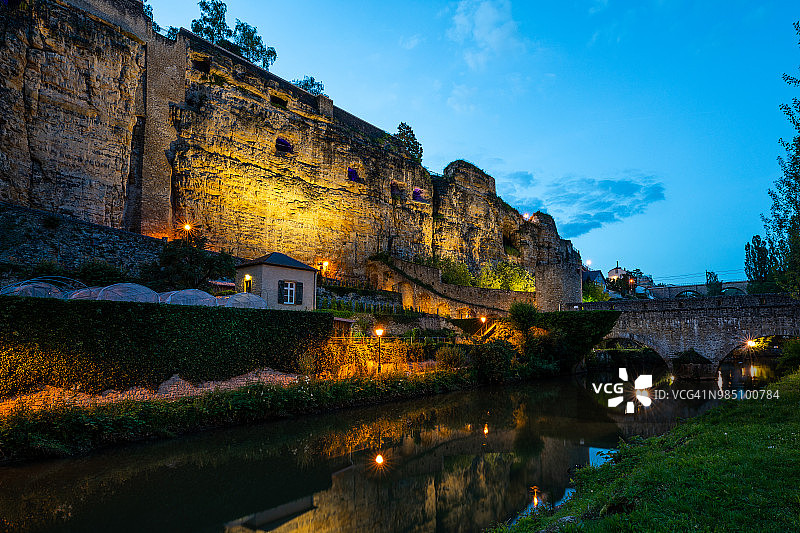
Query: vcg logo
642, 383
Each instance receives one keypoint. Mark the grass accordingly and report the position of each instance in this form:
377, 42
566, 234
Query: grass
736, 468
68, 430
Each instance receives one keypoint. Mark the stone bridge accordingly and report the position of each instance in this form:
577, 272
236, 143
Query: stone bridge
712, 326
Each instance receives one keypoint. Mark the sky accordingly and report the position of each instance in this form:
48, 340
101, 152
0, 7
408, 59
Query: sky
649, 129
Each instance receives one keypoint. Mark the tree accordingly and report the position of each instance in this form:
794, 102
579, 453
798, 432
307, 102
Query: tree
624, 284
593, 292
251, 46
409, 141
758, 267
247, 43
506, 275
783, 223
212, 25
186, 264
310, 85
713, 284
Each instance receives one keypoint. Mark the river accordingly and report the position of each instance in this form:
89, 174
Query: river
452, 463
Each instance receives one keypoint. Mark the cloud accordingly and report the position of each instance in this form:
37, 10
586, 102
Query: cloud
461, 99
411, 42
485, 28
599, 5
581, 204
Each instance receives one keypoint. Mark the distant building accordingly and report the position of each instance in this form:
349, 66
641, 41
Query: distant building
594, 276
285, 283
616, 272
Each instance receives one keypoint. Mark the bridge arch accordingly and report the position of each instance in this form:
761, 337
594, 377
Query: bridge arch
689, 293
733, 291
652, 342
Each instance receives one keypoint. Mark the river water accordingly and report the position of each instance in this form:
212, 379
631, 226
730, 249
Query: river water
458, 462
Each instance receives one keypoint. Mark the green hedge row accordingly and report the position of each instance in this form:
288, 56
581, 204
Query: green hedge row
98, 345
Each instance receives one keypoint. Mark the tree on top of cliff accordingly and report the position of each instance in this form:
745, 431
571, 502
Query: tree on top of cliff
409, 141
212, 25
310, 85
246, 41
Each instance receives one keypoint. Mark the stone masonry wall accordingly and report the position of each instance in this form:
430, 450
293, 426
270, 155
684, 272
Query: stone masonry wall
29, 237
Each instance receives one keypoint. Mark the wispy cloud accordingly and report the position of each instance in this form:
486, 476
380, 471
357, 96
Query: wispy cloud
485, 28
461, 99
598, 6
409, 43
581, 204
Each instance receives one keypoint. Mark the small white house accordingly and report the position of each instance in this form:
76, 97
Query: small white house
284, 283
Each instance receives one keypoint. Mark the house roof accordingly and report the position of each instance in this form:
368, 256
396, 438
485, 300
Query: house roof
278, 259
595, 276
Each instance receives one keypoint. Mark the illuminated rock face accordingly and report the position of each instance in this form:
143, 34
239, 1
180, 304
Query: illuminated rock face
263, 166
70, 92
105, 120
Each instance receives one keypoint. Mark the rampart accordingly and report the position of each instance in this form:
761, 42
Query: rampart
109, 122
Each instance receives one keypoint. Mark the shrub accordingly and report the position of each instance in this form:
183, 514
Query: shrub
449, 357
790, 356
522, 315
491, 361
97, 272
97, 345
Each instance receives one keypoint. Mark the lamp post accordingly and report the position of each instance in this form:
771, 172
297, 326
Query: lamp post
483, 324
379, 333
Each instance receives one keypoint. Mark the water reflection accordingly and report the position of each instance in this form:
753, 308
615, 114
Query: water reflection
458, 462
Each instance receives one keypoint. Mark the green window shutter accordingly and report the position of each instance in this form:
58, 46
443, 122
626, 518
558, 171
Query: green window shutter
298, 293
280, 291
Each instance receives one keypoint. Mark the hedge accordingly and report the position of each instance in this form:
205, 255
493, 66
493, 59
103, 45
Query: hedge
99, 345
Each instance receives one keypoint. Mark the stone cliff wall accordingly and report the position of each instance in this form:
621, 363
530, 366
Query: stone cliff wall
288, 174
71, 85
107, 121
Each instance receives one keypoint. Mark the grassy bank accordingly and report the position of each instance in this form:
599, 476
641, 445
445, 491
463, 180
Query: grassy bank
69, 431
736, 468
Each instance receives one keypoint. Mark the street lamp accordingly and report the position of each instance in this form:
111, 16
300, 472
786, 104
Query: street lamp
483, 324
379, 333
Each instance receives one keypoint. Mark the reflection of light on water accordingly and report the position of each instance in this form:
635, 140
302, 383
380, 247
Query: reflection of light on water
753, 371
486, 429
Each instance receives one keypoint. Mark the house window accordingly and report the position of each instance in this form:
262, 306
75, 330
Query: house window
282, 145
352, 175
288, 292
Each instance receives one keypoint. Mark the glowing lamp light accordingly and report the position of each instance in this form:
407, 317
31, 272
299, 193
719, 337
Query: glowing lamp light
751, 343
483, 319
325, 264
379, 459
187, 227
379, 332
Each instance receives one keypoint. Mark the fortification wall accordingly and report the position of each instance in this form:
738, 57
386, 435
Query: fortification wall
109, 122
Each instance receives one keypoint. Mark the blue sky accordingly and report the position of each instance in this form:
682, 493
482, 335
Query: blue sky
648, 129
